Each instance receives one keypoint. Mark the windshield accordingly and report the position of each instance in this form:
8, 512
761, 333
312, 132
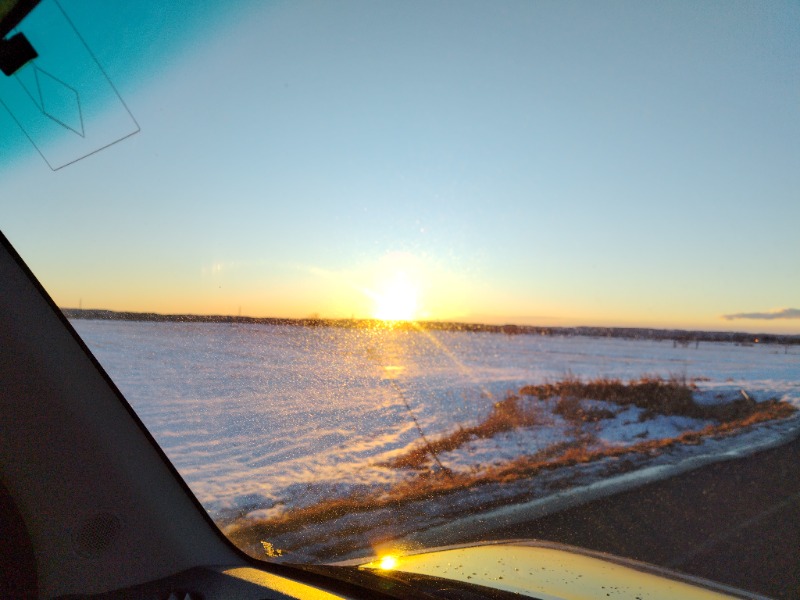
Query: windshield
385, 276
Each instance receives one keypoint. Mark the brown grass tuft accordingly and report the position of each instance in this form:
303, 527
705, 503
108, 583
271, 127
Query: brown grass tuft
504, 416
655, 395
572, 410
671, 396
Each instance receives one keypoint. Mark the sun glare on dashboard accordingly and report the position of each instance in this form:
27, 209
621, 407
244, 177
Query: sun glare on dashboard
388, 562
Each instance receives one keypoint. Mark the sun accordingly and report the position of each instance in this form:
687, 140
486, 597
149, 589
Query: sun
397, 300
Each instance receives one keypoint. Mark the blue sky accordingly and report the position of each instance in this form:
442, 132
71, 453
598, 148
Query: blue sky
611, 163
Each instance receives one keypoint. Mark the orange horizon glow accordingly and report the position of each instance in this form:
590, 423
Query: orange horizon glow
561, 321
396, 287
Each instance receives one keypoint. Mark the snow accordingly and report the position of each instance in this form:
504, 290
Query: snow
260, 419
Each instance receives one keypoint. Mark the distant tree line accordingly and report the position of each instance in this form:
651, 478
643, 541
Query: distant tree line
679, 336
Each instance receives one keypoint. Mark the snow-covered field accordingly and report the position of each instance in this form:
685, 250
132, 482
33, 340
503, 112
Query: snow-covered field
260, 419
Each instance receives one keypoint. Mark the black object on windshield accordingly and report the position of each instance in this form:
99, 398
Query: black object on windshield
16, 51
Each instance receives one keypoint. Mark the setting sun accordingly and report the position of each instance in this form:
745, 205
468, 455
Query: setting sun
397, 300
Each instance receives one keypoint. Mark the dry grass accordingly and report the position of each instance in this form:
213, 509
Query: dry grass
428, 485
670, 396
505, 415
572, 410
655, 395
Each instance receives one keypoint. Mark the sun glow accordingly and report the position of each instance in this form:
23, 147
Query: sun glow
397, 300
388, 562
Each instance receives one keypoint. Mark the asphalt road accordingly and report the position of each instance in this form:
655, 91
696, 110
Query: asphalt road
736, 522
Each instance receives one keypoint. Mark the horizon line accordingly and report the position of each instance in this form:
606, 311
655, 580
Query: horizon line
508, 328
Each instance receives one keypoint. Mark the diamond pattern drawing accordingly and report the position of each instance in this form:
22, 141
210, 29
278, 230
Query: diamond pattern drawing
56, 99
60, 102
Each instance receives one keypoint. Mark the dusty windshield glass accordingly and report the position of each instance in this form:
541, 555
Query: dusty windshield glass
385, 276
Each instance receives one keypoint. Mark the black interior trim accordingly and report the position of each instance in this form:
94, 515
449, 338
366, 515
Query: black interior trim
18, 579
14, 17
